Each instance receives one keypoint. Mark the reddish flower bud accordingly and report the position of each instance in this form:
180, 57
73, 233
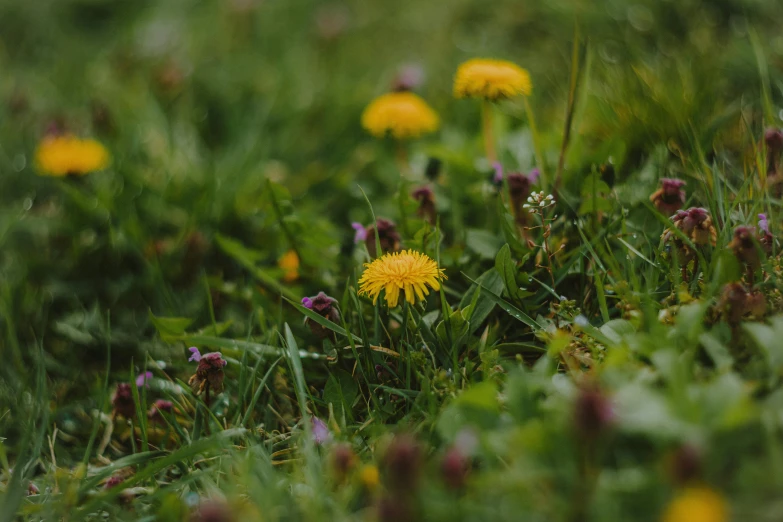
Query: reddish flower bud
773, 139
212, 511
159, 406
387, 234
685, 464
426, 199
392, 509
32, 489
209, 373
745, 246
696, 224
454, 468
343, 460
402, 463
670, 197
409, 77
325, 306
593, 412
122, 401
736, 302
112, 482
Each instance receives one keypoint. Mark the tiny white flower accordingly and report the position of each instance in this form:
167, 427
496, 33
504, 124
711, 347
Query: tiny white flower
550, 197
532, 210
525, 206
542, 204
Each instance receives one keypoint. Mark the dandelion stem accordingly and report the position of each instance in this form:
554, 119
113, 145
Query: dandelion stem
403, 163
488, 131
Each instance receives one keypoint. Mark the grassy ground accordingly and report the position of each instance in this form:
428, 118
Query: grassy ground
607, 363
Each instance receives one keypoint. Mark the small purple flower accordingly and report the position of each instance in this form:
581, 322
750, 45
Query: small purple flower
195, 355
361, 232
497, 179
533, 176
142, 379
307, 302
321, 433
763, 223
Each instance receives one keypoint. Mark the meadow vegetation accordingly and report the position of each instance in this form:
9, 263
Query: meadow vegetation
412, 260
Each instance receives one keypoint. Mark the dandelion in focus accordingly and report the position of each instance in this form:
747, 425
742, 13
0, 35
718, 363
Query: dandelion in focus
62, 155
407, 272
401, 115
697, 504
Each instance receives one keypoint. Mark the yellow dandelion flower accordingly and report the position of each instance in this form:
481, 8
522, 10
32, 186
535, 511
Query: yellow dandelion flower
63, 155
289, 264
400, 114
408, 271
369, 476
697, 504
491, 80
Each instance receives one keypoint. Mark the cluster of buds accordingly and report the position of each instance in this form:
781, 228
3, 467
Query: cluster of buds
209, 373
326, 307
387, 235
537, 201
670, 197
426, 199
696, 224
737, 303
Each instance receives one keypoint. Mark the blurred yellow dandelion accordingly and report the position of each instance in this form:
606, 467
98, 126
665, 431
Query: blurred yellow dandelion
697, 504
408, 271
289, 264
63, 155
491, 80
399, 114
369, 476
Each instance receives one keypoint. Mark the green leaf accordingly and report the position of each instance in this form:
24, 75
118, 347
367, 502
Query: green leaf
507, 269
248, 258
170, 329
510, 309
482, 242
480, 303
341, 391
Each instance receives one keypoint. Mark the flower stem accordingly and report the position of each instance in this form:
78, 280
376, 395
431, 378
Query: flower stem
488, 131
403, 163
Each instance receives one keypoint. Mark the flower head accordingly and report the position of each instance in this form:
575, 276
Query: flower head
670, 197
399, 114
321, 433
323, 305
426, 198
209, 373
360, 234
142, 379
697, 504
744, 246
122, 401
307, 303
387, 235
491, 80
60, 155
593, 411
765, 236
696, 224
289, 264
159, 406
408, 272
